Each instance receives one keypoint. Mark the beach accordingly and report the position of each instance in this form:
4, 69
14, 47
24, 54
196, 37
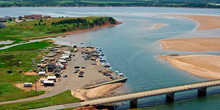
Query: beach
206, 66
102, 91
193, 44
209, 43
205, 22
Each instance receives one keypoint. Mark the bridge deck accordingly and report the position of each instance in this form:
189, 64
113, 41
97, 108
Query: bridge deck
151, 93
142, 94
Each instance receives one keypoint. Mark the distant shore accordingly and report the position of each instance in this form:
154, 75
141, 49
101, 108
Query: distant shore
207, 66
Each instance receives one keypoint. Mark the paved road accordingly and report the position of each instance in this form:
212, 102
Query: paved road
72, 81
142, 94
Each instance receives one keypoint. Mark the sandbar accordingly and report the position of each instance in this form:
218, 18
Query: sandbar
205, 22
191, 44
206, 66
105, 90
157, 26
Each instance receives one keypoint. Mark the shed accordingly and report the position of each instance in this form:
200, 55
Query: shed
49, 83
28, 84
53, 78
41, 73
51, 67
42, 80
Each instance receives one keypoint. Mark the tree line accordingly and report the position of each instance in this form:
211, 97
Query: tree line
129, 3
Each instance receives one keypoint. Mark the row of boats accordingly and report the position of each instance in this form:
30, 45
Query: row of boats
103, 61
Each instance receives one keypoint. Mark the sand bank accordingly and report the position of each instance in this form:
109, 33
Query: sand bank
101, 91
157, 26
205, 22
207, 66
191, 44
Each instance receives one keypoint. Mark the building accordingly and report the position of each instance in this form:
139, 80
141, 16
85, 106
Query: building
49, 83
47, 16
51, 78
51, 67
32, 16
2, 19
7, 17
2, 25
28, 84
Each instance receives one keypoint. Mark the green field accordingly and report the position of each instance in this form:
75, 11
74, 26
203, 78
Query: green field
33, 29
64, 97
15, 59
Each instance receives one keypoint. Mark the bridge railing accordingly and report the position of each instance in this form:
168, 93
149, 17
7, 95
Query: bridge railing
154, 89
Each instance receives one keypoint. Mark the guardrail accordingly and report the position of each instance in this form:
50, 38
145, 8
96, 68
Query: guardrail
108, 82
155, 89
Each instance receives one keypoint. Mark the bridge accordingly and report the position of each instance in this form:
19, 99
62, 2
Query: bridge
133, 97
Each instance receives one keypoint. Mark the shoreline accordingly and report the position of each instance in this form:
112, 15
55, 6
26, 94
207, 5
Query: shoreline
111, 6
75, 32
204, 22
206, 66
101, 91
193, 44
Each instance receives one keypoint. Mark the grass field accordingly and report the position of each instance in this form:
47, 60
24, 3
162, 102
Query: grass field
15, 59
28, 30
64, 97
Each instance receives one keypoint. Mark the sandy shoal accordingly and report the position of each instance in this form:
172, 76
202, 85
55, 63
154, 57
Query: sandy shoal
105, 90
205, 22
191, 44
157, 26
207, 66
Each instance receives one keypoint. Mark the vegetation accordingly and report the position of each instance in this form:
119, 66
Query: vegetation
18, 58
157, 3
27, 30
64, 97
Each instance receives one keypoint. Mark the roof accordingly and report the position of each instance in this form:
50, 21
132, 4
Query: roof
48, 81
41, 72
27, 83
51, 77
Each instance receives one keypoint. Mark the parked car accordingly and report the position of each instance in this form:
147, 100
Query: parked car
107, 74
76, 71
80, 75
94, 64
64, 76
81, 72
77, 67
83, 67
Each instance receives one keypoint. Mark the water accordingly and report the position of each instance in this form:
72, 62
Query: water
132, 48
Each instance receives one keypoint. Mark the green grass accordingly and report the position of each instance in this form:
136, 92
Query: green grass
10, 92
64, 97
28, 30
18, 58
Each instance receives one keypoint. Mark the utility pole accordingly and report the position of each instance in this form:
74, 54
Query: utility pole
36, 72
